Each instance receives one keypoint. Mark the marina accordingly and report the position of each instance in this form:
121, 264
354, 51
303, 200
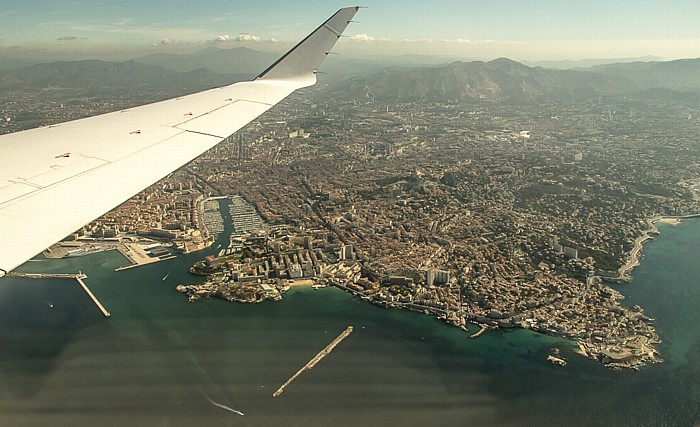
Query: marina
213, 221
245, 219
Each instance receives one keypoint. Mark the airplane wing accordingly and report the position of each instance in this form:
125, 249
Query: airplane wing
55, 179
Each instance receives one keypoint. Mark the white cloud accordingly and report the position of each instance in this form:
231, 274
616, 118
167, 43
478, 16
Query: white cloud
460, 41
363, 38
242, 38
67, 38
164, 42
246, 38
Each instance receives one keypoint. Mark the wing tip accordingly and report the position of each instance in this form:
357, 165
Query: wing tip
281, 70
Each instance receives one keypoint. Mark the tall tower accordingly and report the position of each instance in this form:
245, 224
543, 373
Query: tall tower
239, 145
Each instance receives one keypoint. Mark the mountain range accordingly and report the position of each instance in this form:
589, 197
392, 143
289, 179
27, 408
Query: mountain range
104, 78
239, 60
501, 80
507, 81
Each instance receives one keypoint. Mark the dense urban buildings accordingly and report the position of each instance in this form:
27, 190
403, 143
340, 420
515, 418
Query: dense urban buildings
501, 215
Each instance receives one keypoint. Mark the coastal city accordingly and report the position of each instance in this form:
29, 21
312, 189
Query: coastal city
489, 214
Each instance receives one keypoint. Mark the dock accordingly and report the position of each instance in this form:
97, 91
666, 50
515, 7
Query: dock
78, 277
323, 353
137, 256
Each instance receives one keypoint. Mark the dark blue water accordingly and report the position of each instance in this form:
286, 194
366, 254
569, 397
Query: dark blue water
162, 361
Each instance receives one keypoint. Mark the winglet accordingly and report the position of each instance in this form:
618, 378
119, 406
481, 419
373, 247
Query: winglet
299, 65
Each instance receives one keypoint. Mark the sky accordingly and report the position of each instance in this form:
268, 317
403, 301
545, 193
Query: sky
526, 30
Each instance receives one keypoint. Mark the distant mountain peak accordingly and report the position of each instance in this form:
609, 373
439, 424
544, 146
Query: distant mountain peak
214, 58
506, 63
506, 81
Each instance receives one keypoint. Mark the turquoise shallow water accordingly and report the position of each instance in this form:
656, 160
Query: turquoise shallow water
162, 361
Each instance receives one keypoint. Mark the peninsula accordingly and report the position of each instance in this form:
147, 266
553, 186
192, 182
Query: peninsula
501, 204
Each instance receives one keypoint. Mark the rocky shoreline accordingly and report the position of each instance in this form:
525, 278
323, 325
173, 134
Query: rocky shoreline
624, 273
251, 293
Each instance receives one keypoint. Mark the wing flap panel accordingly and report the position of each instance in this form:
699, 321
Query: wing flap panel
221, 122
60, 173
13, 191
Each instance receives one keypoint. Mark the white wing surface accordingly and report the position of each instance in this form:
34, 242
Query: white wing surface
55, 179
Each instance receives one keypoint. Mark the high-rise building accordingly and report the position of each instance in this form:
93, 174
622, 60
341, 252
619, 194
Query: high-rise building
570, 252
347, 253
437, 277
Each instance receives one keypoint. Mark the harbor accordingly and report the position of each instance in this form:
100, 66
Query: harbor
138, 253
78, 277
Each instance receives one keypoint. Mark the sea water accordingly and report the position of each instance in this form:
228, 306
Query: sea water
160, 360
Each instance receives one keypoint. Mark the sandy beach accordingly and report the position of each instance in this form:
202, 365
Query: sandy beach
669, 220
299, 283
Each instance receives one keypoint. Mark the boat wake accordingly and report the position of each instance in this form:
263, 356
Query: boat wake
219, 405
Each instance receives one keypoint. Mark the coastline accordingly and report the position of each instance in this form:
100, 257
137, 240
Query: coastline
624, 273
307, 283
670, 220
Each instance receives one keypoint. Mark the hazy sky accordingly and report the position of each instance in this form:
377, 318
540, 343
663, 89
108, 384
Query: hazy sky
518, 29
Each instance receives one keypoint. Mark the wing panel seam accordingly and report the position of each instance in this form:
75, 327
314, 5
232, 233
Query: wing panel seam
205, 134
40, 189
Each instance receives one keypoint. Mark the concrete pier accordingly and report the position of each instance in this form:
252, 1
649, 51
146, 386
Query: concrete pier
315, 360
92, 296
47, 275
137, 256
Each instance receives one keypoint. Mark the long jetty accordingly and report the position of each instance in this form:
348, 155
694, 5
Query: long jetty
47, 275
92, 296
315, 360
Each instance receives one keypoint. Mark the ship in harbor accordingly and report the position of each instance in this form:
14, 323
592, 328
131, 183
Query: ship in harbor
83, 251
